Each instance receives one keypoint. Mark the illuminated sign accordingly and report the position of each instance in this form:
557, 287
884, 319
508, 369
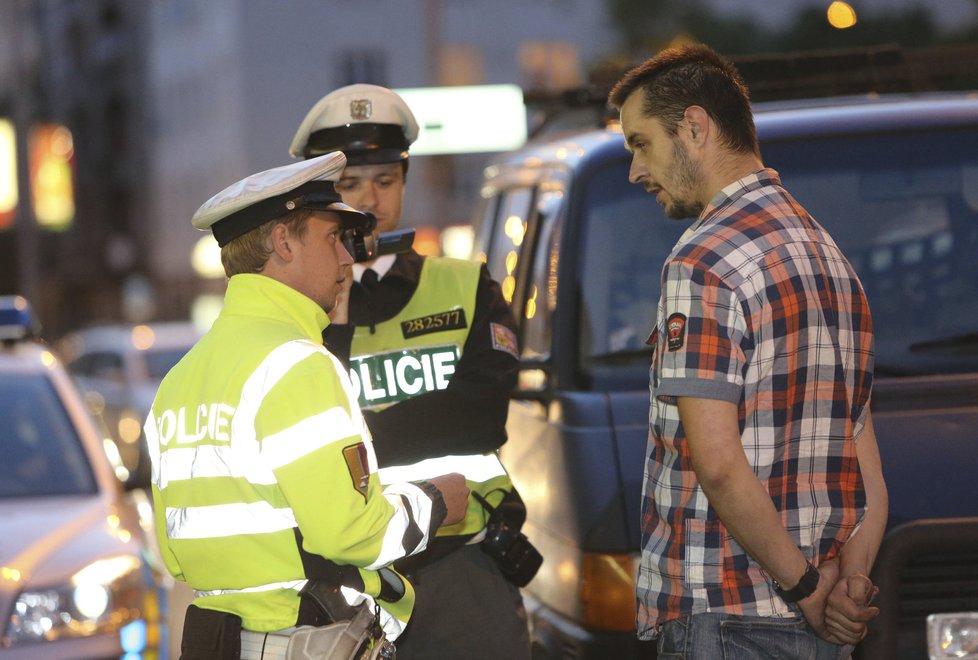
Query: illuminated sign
467, 119
52, 176
8, 174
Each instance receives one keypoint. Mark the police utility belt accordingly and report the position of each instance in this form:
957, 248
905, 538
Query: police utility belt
353, 634
360, 638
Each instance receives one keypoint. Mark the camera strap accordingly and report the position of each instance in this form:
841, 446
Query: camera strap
513, 553
485, 503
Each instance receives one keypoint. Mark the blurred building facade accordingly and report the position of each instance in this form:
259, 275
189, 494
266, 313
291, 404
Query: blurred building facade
171, 100
168, 101
946, 13
78, 65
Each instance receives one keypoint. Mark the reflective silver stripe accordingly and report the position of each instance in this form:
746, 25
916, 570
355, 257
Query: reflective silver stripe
410, 504
269, 372
477, 467
279, 449
211, 461
307, 436
214, 460
296, 585
223, 520
241, 458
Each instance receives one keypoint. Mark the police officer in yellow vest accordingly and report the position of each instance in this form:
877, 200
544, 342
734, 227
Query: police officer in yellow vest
264, 473
433, 356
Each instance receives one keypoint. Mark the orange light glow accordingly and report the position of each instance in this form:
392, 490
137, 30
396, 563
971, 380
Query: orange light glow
841, 15
143, 337
52, 175
427, 241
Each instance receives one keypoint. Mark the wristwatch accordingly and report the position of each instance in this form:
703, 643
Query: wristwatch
806, 586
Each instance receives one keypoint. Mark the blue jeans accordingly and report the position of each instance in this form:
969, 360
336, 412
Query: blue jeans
729, 637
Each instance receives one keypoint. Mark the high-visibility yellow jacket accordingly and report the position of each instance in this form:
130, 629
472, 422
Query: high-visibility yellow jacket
415, 353
255, 433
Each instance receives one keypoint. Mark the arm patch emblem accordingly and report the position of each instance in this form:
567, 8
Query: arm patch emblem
504, 339
356, 463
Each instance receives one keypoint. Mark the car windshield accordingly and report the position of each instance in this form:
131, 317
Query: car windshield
628, 239
903, 208
40, 451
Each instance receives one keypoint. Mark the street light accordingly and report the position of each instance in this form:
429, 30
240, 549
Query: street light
841, 15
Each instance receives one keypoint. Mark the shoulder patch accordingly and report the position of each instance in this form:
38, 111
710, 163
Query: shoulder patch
676, 331
356, 463
504, 339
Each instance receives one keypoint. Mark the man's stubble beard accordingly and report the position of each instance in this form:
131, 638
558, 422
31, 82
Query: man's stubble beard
685, 176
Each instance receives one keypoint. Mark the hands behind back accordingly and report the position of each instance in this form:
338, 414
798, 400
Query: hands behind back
848, 609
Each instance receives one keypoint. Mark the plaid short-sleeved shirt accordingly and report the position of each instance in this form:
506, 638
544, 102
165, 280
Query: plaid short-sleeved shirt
760, 308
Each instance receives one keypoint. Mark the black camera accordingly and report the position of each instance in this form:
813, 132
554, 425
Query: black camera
516, 557
364, 245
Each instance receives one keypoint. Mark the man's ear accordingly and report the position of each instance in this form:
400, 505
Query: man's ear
281, 242
696, 125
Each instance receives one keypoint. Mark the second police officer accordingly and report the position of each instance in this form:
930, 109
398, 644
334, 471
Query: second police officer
432, 347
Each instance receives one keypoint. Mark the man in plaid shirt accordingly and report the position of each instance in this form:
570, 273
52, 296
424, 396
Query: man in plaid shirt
762, 460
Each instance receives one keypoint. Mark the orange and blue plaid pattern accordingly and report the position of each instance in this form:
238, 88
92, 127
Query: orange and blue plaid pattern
759, 307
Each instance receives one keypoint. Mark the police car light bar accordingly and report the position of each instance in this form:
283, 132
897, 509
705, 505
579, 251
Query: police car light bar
16, 319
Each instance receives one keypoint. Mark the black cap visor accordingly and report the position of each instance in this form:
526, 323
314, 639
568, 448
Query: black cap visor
314, 195
362, 144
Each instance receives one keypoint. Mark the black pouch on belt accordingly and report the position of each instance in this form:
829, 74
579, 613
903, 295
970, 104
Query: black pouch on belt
210, 635
515, 556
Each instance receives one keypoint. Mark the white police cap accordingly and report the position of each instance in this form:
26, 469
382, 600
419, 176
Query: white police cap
368, 123
271, 194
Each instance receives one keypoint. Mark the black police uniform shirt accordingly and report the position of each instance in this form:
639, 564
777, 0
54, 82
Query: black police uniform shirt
469, 416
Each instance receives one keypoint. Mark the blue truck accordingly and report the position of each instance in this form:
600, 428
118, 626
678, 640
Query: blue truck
578, 250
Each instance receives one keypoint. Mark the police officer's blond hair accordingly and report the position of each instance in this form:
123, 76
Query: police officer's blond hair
249, 252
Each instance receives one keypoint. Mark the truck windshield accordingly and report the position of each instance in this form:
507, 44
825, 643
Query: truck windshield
903, 208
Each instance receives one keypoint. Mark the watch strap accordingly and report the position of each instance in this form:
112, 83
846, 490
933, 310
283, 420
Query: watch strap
806, 586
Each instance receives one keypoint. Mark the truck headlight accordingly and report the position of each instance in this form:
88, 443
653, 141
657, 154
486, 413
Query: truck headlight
952, 635
104, 596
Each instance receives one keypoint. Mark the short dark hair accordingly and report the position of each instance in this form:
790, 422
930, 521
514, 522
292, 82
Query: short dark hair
677, 78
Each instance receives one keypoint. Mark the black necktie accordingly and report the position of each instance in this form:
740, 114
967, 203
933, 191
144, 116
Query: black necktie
369, 279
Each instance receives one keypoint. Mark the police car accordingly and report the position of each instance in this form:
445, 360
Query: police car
578, 250
78, 578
